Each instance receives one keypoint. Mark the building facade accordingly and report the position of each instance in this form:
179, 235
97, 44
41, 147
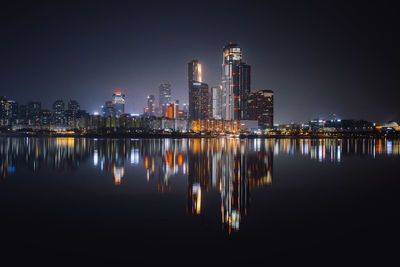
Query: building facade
235, 83
151, 106
118, 101
261, 108
216, 102
165, 97
198, 92
58, 112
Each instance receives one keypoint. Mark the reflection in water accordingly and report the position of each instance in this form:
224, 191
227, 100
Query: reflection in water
231, 167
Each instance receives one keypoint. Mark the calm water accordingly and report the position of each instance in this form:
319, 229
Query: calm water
198, 200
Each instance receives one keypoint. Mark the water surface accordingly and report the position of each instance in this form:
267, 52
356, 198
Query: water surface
198, 200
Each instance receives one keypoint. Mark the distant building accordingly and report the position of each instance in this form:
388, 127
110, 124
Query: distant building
165, 97
109, 109
45, 117
198, 92
32, 113
172, 110
216, 102
118, 101
260, 107
8, 111
151, 106
199, 105
235, 83
74, 106
58, 113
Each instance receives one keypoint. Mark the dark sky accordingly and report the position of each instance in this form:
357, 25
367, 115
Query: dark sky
320, 57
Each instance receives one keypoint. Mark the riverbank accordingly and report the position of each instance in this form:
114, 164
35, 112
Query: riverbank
203, 135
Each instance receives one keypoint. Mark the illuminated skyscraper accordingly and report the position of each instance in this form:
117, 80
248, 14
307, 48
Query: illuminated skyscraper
118, 101
58, 112
108, 109
216, 102
151, 105
198, 92
8, 111
165, 97
32, 111
261, 108
235, 83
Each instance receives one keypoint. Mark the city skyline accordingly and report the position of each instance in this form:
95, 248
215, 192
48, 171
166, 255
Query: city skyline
319, 58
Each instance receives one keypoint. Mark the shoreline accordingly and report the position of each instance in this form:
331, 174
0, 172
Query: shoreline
194, 135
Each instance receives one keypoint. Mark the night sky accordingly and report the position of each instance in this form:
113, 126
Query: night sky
320, 57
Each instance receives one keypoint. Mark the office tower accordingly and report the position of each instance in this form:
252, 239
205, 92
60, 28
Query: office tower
8, 111
22, 114
108, 109
58, 112
199, 102
244, 89
261, 107
235, 83
198, 92
183, 113
165, 97
32, 111
70, 114
118, 101
216, 102
74, 106
151, 105
45, 117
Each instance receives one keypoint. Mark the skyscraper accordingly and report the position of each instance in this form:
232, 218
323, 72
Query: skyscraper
216, 102
198, 92
235, 83
8, 111
32, 111
58, 112
165, 97
74, 105
151, 105
261, 108
118, 101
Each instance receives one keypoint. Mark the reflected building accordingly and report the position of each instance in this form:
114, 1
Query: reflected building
231, 167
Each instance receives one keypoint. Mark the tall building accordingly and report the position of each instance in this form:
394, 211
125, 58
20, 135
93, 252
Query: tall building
32, 113
165, 97
45, 117
261, 108
73, 105
198, 92
235, 83
108, 109
8, 111
58, 112
118, 101
151, 106
216, 102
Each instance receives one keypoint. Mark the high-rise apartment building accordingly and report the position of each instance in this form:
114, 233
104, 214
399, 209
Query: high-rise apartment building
32, 113
235, 83
118, 101
198, 92
151, 106
165, 97
58, 112
261, 108
216, 102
